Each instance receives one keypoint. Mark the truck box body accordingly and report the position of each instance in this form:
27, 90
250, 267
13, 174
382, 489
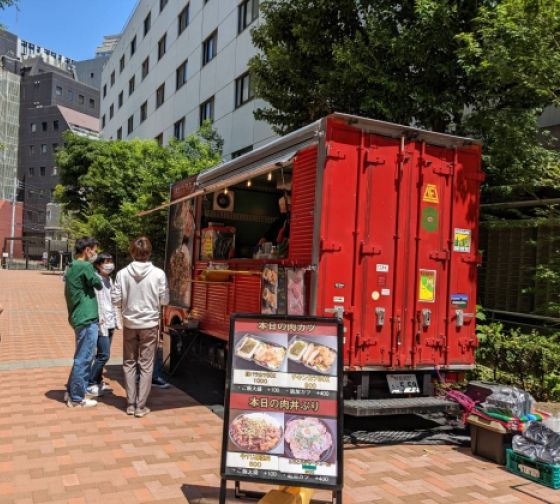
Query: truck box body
384, 221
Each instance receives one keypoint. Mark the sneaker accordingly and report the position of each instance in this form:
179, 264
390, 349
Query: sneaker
93, 391
86, 403
139, 413
130, 410
105, 387
159, 382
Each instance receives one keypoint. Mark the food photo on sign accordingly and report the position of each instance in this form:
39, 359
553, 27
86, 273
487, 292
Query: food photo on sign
260, 352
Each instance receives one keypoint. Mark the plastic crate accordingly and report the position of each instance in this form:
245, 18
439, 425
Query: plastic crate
545, 474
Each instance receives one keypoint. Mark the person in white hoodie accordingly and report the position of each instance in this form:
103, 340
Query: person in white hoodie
140, 290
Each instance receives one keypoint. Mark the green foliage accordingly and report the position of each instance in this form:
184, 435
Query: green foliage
104, 184
484, 68
527, 360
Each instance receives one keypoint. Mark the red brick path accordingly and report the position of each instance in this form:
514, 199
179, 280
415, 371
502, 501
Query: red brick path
51, 454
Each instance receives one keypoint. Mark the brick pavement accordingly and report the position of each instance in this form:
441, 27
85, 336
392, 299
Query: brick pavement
51, 454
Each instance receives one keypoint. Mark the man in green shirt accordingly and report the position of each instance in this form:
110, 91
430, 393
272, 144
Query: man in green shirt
81, 280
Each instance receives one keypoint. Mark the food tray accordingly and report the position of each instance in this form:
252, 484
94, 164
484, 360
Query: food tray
249, 353
545, 474
303, 356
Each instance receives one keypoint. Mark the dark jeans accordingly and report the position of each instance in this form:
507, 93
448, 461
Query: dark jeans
86, 339
102, 357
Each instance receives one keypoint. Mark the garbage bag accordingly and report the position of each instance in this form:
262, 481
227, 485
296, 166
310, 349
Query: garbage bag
509, 401
524, 447
538, 442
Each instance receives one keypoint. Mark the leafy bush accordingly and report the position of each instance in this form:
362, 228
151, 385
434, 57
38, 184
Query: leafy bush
528, 360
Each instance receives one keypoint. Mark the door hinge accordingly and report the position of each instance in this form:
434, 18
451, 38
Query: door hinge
371, 159
445, 170
369, 249
335, 154
330, 246
440, 255
473, 259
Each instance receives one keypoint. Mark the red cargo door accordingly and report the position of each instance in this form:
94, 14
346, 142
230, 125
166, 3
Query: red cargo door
375, 250
461, 303
337, 224
433, 253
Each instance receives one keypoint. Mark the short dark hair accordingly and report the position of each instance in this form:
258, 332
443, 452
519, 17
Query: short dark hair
101, 258
84, 243
140, 249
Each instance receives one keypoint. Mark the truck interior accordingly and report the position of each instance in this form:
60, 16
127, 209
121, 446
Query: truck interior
254, 212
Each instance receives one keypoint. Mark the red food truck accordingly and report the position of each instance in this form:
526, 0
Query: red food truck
372, 222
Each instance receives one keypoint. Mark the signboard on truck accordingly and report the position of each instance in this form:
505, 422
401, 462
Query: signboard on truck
283, 416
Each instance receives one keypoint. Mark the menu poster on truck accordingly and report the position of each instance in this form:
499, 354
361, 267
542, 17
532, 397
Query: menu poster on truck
284, 410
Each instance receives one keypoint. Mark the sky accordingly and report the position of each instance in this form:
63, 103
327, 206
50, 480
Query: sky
73, 28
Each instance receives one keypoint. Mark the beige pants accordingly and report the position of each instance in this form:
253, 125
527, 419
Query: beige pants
139, 349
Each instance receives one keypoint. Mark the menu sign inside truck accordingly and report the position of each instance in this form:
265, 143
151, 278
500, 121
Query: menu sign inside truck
283, 417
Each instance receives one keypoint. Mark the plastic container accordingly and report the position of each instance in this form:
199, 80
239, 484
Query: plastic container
489, 439
545, 474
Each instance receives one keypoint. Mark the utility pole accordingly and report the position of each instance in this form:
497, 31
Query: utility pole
13, 227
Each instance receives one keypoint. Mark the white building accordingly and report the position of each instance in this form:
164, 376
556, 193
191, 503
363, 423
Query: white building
178, 62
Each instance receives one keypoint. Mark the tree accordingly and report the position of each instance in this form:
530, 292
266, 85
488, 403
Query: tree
104, 184
484, 68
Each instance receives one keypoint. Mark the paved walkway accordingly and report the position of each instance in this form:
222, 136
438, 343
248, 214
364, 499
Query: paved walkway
51, 454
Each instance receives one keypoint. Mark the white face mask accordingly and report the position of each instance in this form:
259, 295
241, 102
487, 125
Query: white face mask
108, 268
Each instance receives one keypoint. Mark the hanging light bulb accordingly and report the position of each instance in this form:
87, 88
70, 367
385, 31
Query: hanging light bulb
225, 190
269, 178
249, 183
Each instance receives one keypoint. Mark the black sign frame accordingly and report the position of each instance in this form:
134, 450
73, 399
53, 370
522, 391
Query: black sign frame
336, 488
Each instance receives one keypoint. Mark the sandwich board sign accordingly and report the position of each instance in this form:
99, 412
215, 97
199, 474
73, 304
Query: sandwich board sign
284, 405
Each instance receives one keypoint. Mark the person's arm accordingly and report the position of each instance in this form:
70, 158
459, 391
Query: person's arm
163, 290
92, 278
116, 291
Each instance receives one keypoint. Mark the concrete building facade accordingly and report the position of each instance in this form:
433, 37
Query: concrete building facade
179, 62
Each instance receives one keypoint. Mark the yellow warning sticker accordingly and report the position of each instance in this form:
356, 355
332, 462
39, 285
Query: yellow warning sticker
427, 286
431, 194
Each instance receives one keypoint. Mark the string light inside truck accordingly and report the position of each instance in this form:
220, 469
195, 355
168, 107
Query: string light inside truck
225, 190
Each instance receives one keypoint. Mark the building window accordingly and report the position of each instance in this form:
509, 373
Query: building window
91, 103
181, 75
179, 129
42, 171
209, 48
111, 111
247, 12
112, 78
119, 134
104, 90
133, 46
243, 89
54, 171
81, 99
131, 84
121, 64
183, 20
44, 148
143, 111
44, 126
33, 127
54, 147
58, 91
159, 139
145, 67
207, 111
121, 99
240, 152
160, 95
103, 121
31, 149
147, 23
130, 127
162, 4
161, 47
31, 171
55, 125
70, 95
